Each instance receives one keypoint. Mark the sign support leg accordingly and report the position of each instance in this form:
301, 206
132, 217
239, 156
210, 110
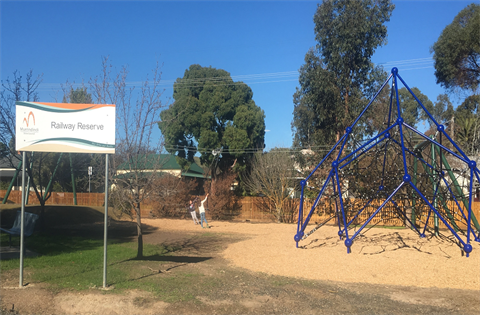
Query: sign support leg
105, 228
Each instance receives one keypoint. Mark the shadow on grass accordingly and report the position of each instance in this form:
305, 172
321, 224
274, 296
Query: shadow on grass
66, 225
175, 259
178, 260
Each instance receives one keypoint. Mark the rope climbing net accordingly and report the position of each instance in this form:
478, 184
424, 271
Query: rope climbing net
399, 176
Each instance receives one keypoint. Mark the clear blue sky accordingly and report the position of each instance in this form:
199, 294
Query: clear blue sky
262, 43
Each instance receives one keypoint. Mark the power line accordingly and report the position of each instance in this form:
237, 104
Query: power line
317, 148
410, 64
257, 78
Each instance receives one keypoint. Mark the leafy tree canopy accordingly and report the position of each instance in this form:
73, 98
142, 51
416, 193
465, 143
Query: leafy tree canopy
211, 111
339, 72
78, 96
315, 112
457, 51
442, 110
467, 122
77, 162
4, 151
348, 32
469, 107
411, 110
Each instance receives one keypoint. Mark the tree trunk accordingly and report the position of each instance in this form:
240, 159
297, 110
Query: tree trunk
279, 214
212, 187
346, 107
42, 215
139, 231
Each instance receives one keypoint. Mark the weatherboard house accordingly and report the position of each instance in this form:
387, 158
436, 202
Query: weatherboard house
7, 173
161, 163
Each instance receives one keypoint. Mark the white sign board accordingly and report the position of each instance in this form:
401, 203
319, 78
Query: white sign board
64, 127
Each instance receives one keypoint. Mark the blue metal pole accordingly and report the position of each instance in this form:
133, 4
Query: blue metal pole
405, 216
400, 120
376, 211
307, 220
466, 247
328, 154
469, 226
464, 159
348, 242
371, 101
418, 101
383, 133
300, 213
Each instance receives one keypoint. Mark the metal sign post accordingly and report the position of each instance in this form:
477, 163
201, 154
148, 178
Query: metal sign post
89, 174
105, 225
22, 221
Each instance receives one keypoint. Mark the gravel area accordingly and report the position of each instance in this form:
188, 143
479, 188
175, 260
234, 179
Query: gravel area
380, 256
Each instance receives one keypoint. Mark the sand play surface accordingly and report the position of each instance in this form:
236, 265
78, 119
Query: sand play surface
381, 256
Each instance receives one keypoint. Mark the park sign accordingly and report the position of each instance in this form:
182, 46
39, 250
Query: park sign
65, 127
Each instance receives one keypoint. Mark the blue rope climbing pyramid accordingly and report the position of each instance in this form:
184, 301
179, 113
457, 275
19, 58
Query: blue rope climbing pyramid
401, 171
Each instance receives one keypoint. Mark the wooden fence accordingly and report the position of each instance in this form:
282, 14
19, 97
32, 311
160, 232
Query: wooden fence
57, 198
253, 209
390, 215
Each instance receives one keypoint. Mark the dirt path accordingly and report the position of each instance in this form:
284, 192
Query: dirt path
257, 270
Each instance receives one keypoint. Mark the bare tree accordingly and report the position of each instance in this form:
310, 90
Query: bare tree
12, 91
172, 195
41, 170
137, 148
222, 198
273, 175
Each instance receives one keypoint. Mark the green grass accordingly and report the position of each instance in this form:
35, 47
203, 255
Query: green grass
76, 263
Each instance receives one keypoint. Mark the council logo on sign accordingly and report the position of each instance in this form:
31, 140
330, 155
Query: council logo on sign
27, 121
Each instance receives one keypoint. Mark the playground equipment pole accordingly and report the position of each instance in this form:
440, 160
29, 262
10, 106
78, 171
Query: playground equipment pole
444, 202
51, 178
457, 187
434, 164
433, 170
11, 183
414, 181
73, 180
418, 149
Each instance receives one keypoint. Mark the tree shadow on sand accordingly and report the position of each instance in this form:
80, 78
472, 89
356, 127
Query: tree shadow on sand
383, 242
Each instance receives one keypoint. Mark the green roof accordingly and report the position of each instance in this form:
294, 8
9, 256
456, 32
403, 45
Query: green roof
163, 162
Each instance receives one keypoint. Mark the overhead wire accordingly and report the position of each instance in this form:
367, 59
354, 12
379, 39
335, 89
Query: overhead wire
229, 80
317, 148
269, 77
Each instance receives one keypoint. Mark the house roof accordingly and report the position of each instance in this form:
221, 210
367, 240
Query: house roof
10, 163
6, 168
164, 162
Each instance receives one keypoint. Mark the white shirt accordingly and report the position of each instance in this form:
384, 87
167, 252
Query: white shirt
202, 208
